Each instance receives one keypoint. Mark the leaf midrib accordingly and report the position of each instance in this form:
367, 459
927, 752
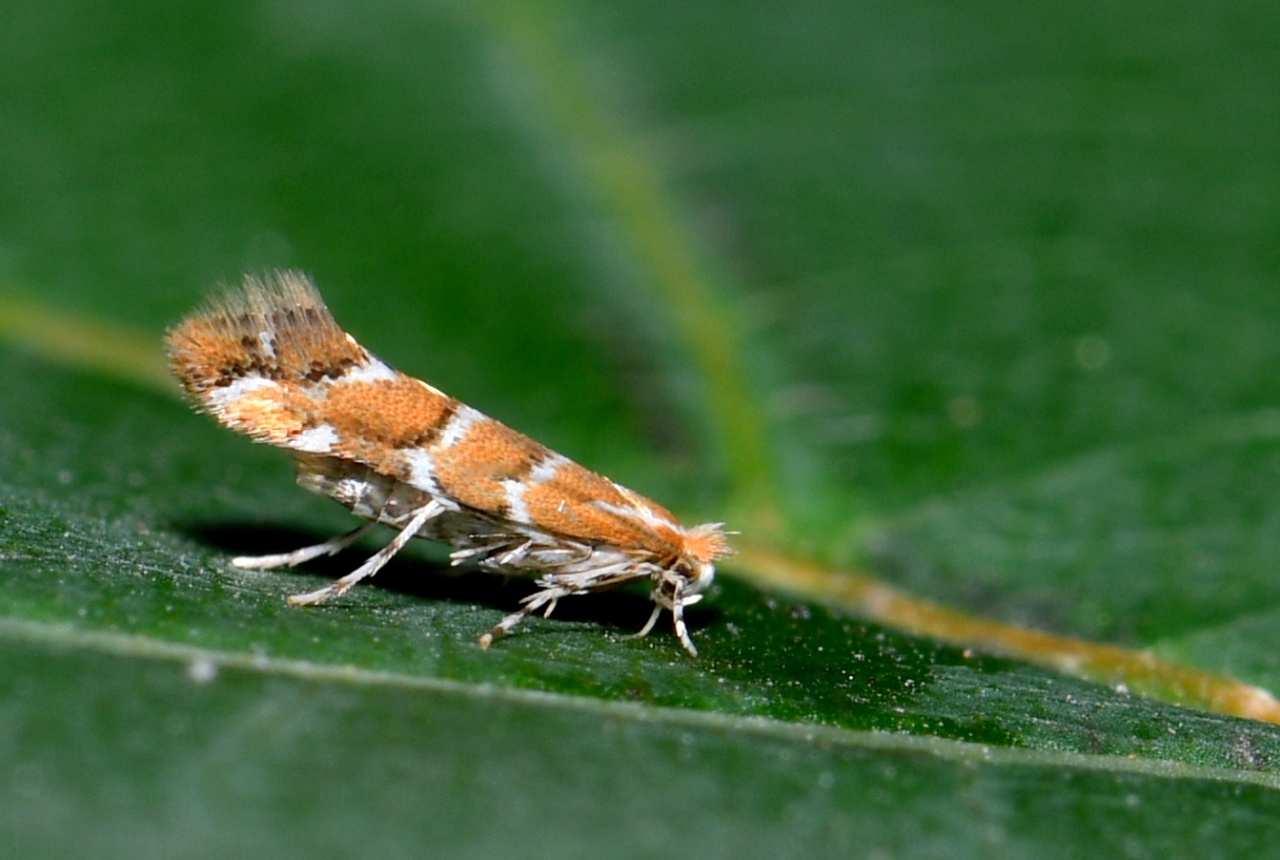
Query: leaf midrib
65, 636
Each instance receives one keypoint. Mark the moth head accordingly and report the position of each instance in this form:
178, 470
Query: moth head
703, 546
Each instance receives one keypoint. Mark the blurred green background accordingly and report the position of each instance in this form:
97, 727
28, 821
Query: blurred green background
979, 298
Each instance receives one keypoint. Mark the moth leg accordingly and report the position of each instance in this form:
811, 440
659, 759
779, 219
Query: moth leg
298, 556
676, 603
375, 562
548, 597
677, 621
555, 587
648, 625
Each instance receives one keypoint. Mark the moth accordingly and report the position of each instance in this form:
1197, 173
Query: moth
268, 360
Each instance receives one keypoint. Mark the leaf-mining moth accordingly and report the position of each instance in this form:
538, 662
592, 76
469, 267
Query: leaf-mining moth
268, 360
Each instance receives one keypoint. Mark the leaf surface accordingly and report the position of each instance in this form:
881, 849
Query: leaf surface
977, 302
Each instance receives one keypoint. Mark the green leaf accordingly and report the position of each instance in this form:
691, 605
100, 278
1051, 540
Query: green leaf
963, 317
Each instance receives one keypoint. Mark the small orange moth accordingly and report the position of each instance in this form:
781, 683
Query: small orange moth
268, 360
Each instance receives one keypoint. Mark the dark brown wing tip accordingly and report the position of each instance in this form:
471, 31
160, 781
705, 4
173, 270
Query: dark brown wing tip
258, 303
260, 296
275, 324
